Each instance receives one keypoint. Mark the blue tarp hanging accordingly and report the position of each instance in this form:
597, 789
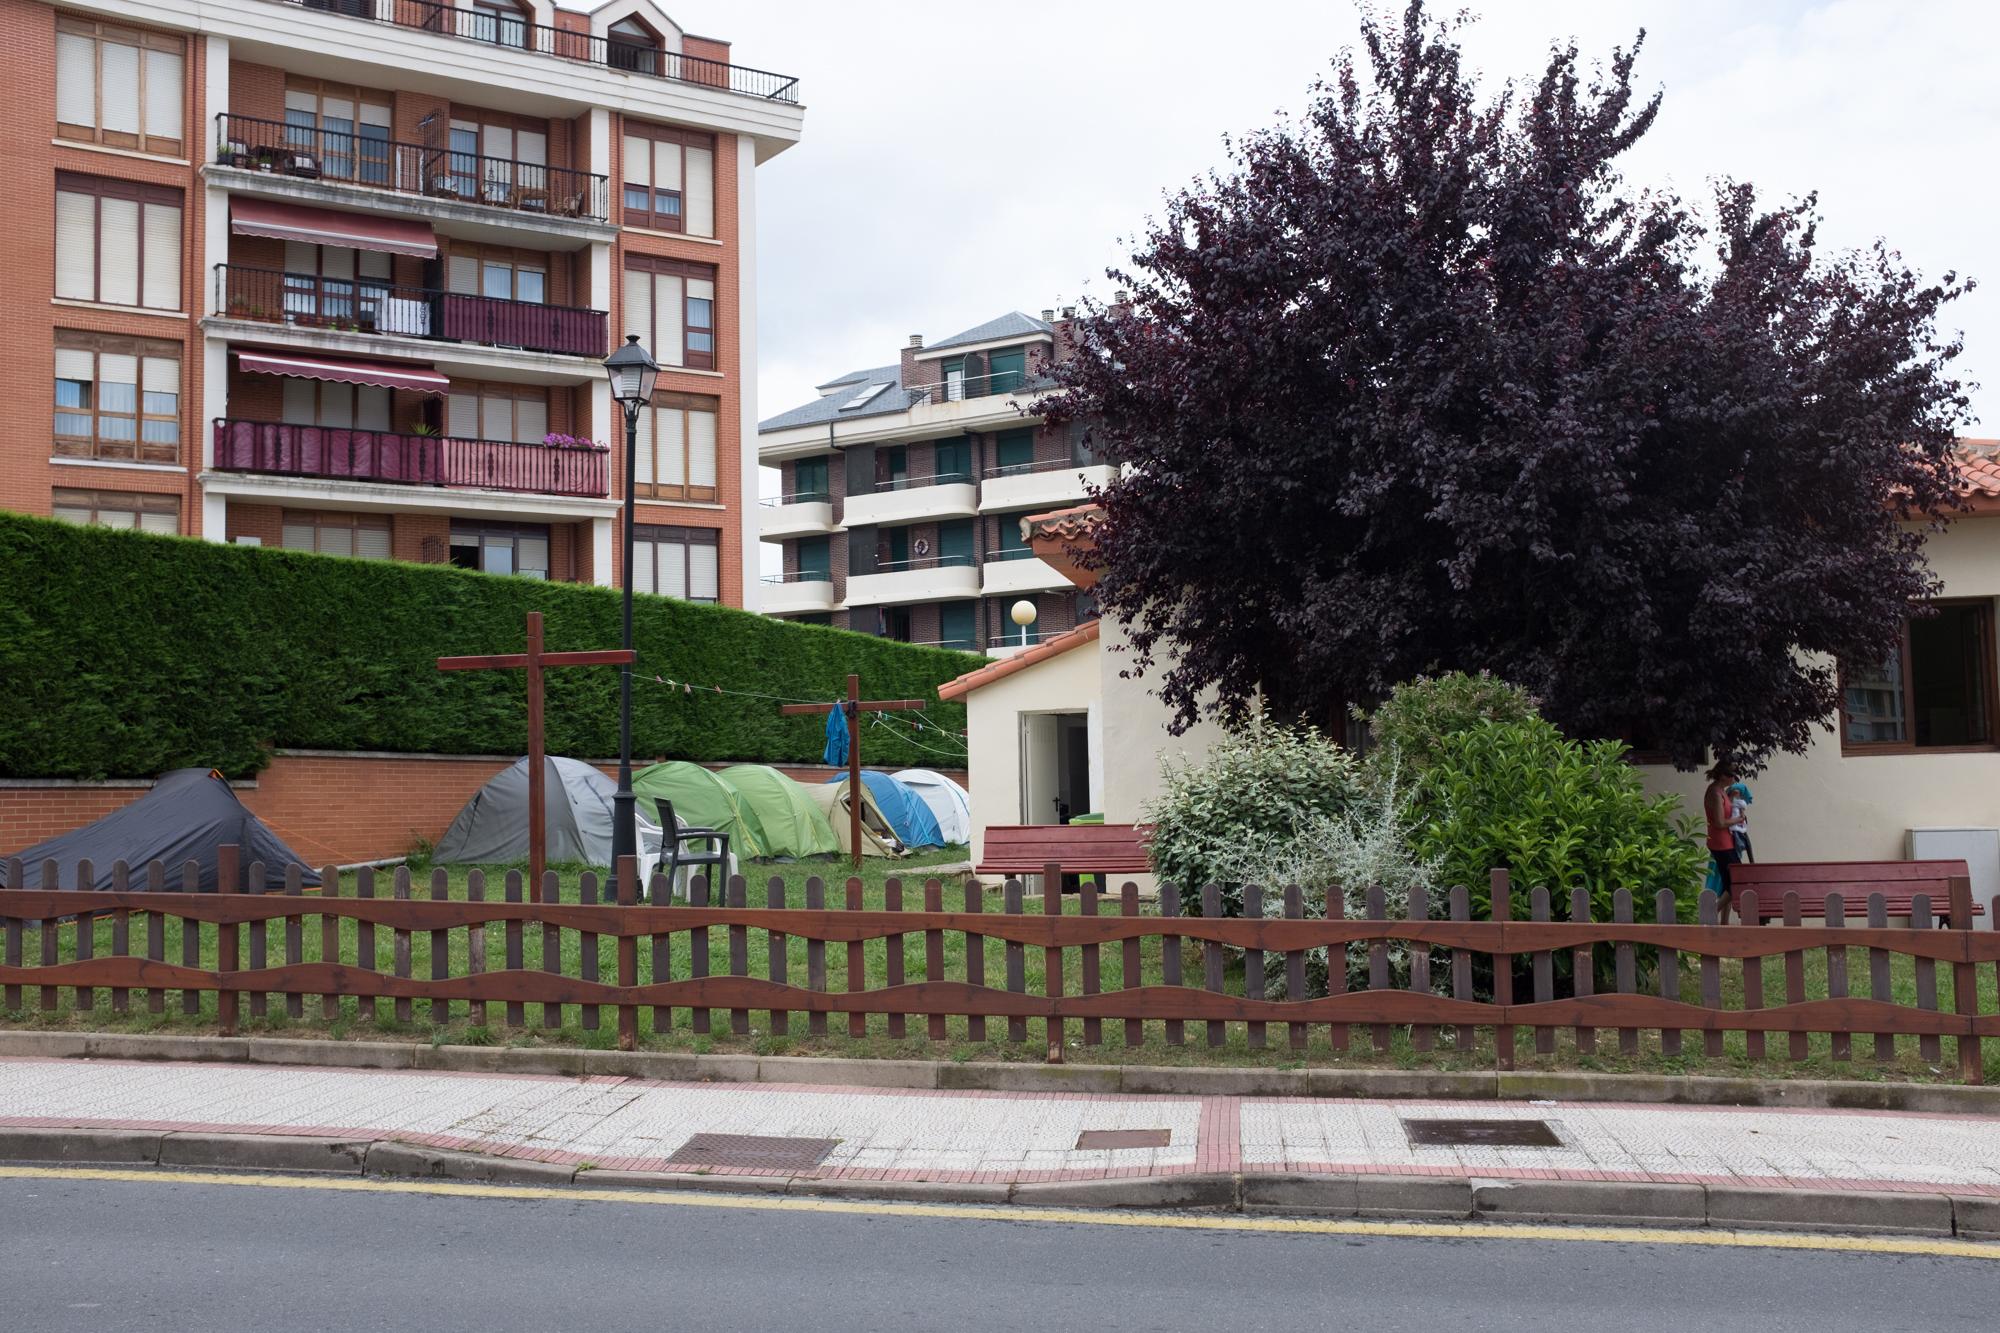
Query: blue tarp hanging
836, 736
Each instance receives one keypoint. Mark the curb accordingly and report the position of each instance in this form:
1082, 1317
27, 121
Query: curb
1408, 1198
1128, 1080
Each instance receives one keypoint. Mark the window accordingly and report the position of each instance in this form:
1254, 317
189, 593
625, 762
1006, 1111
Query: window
1935, 692
669, 179
119, 87
1007, 370
364, 536
344, 129
677, 448
335, 406
117, 509
118, 242
671, 306
335, 285
513, 412
501, 548
954, 542
892, 467
676, 562
1014, 451
810, 481
815, 560
953, 460
503, 275
117, 398
498, 21
632, 45
1012, 545
955, 625
496, 159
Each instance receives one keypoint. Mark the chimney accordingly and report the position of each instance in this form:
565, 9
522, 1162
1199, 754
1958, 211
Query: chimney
1048, 316
1069, 312
916, 340
1121, 298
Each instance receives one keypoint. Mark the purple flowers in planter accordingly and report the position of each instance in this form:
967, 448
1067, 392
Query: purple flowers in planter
556, 440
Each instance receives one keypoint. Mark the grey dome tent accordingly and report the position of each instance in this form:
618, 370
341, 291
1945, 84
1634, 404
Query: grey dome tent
189, 815
493, 826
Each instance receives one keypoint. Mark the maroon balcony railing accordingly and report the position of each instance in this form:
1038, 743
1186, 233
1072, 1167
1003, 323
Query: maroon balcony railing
361, 157
366, 305
339, 453
623, 53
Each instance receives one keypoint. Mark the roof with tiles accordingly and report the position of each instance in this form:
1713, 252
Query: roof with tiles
1013, 324
849, 400
1007, 666
1979, 468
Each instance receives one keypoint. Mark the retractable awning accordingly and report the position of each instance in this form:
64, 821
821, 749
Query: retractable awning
380, 374
328, 226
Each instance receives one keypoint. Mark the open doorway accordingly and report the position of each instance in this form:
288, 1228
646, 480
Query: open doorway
1055, 767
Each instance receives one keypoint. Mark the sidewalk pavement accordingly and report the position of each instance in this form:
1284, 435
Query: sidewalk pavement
1298, 1151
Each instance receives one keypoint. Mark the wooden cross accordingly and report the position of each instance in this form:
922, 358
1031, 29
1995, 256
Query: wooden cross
854, 706
533, 661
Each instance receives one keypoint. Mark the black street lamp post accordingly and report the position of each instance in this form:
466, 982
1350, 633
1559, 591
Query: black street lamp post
633, 372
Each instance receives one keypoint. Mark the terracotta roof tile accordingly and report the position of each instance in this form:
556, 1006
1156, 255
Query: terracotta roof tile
1979, 467
1068, 524
1007, 666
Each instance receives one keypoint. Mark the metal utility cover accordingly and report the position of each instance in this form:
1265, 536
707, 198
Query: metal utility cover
757, 1152
1481, 1134
1124, 1138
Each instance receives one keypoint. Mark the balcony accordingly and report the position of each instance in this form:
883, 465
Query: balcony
1051, 485
386, 457
912, 499
806, 514
1016, 572
348, 305
935, 578
561, 44
435, 171
800, 591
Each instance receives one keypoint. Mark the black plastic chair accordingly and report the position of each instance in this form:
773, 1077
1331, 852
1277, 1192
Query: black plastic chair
674, 853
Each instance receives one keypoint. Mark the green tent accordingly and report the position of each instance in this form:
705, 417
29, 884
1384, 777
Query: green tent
787, 819
701, 799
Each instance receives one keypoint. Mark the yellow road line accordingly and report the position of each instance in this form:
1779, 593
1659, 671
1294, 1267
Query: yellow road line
1760, 1240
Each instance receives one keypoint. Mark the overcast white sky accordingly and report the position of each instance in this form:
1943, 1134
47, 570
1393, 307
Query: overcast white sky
963, 160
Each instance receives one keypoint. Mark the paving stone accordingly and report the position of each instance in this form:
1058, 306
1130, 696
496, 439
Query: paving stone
1589, 1200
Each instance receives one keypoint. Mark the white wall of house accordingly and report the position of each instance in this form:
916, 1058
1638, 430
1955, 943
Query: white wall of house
1134, 726
1065, 683
1827, 806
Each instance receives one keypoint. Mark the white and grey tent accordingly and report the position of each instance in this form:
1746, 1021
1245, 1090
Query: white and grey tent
189, 815
946, 799
493, 826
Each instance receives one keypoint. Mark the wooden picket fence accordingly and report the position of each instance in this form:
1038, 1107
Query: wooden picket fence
1441, 1011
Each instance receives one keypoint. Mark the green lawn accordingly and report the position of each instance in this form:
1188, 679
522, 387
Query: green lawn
415, 1021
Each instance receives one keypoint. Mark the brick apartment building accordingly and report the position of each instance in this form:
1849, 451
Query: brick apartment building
339, 275
903, 490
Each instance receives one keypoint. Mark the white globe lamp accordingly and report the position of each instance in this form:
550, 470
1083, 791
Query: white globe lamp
1023, 614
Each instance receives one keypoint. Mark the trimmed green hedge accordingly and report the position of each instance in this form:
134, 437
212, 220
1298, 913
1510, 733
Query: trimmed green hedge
123, 655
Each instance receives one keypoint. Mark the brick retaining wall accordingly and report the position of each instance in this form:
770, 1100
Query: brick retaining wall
330, 806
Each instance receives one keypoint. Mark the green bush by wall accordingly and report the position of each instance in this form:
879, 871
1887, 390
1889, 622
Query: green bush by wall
123, 654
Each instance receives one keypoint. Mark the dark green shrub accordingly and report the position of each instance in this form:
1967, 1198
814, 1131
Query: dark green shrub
126, 654
1413, 723
1556, 814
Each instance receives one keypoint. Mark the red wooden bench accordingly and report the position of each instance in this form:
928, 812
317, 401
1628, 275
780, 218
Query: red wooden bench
1897, 881
1081, 849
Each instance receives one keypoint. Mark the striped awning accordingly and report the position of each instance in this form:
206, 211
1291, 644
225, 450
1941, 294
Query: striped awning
380, 374
328, 226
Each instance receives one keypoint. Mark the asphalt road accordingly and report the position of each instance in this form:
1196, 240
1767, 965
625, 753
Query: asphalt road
112, 1255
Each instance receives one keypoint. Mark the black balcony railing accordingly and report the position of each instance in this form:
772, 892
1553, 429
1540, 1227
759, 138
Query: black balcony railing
362, 156
908, 483
921, 562
633, 57
363, 305
958, 388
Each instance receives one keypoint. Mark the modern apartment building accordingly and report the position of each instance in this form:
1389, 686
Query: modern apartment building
903, 489
339, 275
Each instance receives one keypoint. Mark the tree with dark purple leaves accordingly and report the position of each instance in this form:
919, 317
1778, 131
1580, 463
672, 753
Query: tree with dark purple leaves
1423, 384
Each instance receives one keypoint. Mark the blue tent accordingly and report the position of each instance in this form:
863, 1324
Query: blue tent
909, 818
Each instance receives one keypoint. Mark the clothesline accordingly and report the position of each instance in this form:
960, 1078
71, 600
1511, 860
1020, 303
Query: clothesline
919, 723
928, 749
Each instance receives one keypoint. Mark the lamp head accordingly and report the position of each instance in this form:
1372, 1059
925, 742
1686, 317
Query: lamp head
1023, 613
633, 372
